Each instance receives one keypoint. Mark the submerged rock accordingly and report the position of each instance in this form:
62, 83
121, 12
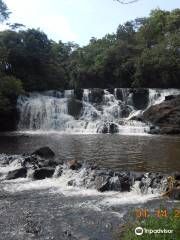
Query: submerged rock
18, 173
45, 152
43, 173
101, 183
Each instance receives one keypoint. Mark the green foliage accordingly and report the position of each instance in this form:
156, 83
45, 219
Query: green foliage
10, 88
144, 52
4, 12
152, 222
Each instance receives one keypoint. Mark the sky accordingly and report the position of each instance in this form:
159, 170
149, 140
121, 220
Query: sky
79, 20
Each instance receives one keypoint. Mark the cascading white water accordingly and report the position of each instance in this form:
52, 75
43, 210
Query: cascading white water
100, 111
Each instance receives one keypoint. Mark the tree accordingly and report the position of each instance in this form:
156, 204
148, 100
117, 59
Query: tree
126, 1
4, 12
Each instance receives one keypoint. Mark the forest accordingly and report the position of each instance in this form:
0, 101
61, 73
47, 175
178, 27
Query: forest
144, 53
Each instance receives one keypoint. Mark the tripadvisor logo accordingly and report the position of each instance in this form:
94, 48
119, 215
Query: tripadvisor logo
140, 231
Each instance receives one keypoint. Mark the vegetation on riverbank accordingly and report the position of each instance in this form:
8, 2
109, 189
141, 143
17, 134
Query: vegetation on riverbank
139, 53
171, 222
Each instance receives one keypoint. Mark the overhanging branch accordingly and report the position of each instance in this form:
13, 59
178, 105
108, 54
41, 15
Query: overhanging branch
126, 1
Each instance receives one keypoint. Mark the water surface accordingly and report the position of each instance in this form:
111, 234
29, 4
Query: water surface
127, 152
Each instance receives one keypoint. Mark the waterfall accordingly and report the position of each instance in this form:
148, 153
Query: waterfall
99, 110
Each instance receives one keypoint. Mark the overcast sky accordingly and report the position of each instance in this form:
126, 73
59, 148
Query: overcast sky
79, 20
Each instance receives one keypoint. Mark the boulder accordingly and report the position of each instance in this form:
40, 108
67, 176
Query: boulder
78, 93
108, 128
47, 163
175, 194
74, 107
43, 173
96, 95
18, 173
74, 164
140, 98
169, 97
166, 116
114, 184
45, 152
101, 183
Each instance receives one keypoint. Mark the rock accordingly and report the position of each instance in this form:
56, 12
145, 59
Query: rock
140, 98
114, 184
74, 107
101, 183
108, 128
78, 92
154, 130
74, 164
48, 163
96, 95
177, 176
166, 116
43, 173
119, 94
175, 194
30, 162
18, 173
71, 183
169, 97
45, 152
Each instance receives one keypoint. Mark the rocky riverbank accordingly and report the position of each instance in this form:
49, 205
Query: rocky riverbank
164, 117
41, 164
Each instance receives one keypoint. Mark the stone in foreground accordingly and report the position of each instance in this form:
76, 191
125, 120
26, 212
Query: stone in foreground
45, 152
43, 173
18, 173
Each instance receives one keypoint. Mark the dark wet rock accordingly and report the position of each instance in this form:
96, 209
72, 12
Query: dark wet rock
78, 93
140, 98
126, 110
136, 176
137, 118
30, 162
119, 94
96, 95
43, 173
71, 183
154, 130
175, 194
110, 90
165, 115
74, 107
74, 164
18, 173
45, 152
169, 97
47, 163
102, 183
114, 184
108, 128
177, 176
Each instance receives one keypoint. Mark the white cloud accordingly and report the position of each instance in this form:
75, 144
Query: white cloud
38, 14
59, 28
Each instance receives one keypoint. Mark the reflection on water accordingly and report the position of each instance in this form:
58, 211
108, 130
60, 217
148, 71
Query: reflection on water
138, 153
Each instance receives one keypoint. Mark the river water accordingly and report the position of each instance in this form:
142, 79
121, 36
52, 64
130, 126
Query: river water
49, 209
117, 152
